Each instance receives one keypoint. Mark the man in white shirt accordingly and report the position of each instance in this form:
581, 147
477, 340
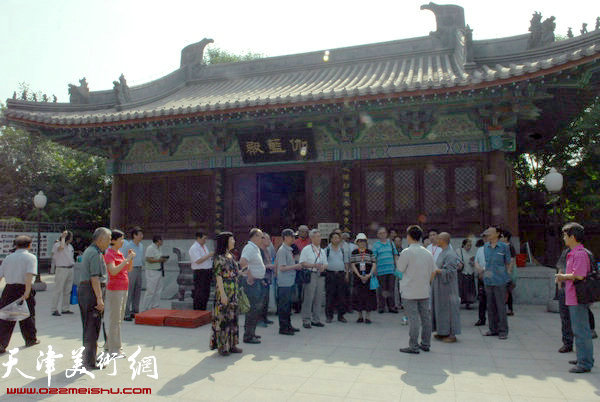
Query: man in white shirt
314, 258
18, 270
433, 248
202, 267
417, 267
251, 259
154, 273
62, 254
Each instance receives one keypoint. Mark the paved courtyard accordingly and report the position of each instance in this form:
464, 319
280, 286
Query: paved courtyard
339, 362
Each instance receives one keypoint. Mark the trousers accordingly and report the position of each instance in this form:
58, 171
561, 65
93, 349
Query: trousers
284, 307
496, 307
153, 289
202, 280
580, 323
63, 284
419, 318
91, 321
385, 293
336, 293
256, 299
11, 293
313, 298
114, 311
135, 292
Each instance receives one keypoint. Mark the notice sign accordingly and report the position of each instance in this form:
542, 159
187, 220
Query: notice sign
46, 242
327, 228
277, 146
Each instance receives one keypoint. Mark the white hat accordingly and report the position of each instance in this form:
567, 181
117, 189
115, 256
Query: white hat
361, 236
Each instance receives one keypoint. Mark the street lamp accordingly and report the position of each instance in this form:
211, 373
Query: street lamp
39, 201
553, 182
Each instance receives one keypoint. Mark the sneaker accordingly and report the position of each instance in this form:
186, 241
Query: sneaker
404, 321
224, 352
381, 311
56, 313
510, 312
410, 350
565, 349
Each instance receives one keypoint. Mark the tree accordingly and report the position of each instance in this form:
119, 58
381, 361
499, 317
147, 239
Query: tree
215, 55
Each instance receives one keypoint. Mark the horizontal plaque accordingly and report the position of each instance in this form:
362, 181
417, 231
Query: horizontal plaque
277, 145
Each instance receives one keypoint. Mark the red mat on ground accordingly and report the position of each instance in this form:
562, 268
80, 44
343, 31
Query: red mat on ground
173, 318
153, 317
188, 318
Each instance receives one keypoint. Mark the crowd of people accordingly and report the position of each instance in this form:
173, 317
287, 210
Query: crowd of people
431, 278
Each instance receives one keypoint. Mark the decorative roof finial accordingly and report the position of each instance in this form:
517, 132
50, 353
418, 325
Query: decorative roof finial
597, 23
15, 95
570, 33
584, 28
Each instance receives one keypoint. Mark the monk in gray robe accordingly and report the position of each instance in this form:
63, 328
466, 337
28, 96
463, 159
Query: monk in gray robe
445, 298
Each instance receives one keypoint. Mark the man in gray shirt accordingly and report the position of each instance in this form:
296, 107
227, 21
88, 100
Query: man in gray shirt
336, 278
417, 267
286, 277
18, 270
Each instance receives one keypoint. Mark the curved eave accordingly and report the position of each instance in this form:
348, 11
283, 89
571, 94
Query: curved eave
274, 104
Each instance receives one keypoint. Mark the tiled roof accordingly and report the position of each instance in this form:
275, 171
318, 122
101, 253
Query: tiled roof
386, 69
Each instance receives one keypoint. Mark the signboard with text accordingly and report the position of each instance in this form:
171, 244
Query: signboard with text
46, 242
277, 146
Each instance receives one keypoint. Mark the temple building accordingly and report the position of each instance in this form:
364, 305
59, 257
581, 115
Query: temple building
394, 133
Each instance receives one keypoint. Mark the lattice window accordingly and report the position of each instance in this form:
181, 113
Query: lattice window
375, 192
136, 203
177, 199
465, 189
321, 196
156, 203
200, 189
405, 191
436, 201
244, 203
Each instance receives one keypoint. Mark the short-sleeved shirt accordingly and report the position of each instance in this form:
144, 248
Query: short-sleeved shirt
63, 258
198, 251
120, 281
312, 254
17, 265
251, 253
337, 259
578, 264
358, 259
285, 258
92, 264
301, 243
416, 263
153, 251
138, 260
435, 251
480, 257
385, 252
496, 260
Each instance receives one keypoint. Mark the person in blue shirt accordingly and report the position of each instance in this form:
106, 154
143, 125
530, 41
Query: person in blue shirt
386, 254
135, 276
495, 277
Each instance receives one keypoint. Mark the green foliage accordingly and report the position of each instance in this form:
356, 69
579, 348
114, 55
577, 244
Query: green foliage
214, 55
75, 183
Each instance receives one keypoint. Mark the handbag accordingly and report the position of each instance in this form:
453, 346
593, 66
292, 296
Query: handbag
243, 301
373, 283
303, 276
588, 289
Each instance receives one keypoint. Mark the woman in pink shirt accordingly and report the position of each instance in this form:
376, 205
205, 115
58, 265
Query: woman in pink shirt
116, 292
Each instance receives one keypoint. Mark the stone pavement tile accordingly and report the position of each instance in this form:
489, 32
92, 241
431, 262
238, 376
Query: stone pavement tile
528, 365
206, 391
304, 397
481, 397
261, 394
428, 383
334, 373
370, 392
430, 363
304, 370
318, 386
410, 395
528, 386
493, 385
536, 399
279, 382
578, 386
473, 364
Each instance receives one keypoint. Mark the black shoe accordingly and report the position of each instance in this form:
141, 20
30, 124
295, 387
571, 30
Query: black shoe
381, 311
424, 348
342, 319
56, 313
32, 343
394, 310
503, 336
128, 318
490, 333
235, 349
510, 312
410, 350
67, 312
367, 321
329, 320
2, 350
360, 319
295, 329
573, 362
267, 321
479, 323
594, 334
257, 336
578, 370
224, 352
317, 324
306, 325
286, 332
253, 340
565, 349
91, 368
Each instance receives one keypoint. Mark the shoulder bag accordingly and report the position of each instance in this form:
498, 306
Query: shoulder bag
588, 289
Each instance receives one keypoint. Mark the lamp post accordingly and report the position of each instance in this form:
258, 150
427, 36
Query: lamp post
39, 201
553, 182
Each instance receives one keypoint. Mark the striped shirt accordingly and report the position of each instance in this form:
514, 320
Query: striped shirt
384, 253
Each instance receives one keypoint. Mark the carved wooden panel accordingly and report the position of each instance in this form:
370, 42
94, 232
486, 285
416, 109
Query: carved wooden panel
177, 200
200, 199
375, 193
435, 193
321, 193
405, 192
467, 193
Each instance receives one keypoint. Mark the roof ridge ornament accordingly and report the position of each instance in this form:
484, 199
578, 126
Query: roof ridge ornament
194, 53
121, 91
542, 33
448, 18
79, 95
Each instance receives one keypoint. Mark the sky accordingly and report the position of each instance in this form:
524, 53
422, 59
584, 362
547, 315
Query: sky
49, 44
